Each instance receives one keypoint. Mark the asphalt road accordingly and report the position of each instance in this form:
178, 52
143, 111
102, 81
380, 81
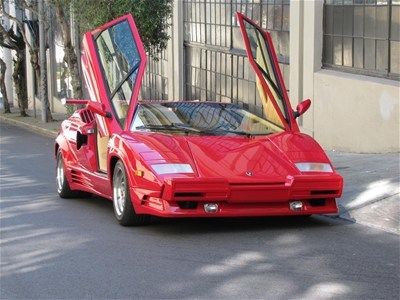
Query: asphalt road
56, 248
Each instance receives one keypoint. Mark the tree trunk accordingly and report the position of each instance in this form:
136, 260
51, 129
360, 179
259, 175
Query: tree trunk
3, 89
35, 62
20, 82
73, 65
46, 113
69, 52
63, 85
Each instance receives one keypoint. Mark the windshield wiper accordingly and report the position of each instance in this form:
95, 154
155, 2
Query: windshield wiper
188, 129
220, 130
172, 126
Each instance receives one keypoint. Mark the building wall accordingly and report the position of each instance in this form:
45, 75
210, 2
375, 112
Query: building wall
349, 112
356, 113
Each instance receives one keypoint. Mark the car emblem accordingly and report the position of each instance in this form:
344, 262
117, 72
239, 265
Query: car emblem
249, 173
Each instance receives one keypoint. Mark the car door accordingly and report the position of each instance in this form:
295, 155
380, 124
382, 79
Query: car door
113, 62
270, 84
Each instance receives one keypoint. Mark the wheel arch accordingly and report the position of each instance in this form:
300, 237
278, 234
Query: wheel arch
119, 150
60, 143
56, 147
111, 165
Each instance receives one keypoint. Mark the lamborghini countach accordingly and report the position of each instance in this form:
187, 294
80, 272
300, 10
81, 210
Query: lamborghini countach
188, 158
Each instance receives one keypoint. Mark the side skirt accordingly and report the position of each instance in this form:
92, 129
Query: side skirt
95, 183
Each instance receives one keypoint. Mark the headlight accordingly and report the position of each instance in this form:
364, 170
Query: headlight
172, 168
314, 167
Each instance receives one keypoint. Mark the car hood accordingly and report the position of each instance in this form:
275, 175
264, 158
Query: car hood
236, 158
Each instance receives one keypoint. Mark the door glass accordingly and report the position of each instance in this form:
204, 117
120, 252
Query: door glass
122, 96
120, 60
262, 56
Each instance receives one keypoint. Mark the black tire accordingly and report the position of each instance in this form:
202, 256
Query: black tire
63, 189
123, 208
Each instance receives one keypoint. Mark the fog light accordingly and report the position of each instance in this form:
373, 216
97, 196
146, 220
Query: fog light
211, 207
296, 205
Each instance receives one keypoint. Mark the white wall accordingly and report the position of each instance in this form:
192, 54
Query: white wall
356, 113
349, 112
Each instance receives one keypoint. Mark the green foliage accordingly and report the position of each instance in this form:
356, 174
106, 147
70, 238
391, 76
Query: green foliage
70, 109
151, 18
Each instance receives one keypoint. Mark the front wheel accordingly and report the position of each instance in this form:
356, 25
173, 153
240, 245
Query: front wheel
123, 208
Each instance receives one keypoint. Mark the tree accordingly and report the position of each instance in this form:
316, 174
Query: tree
10, 40
151, 18
70, 56
3, 89
33, 50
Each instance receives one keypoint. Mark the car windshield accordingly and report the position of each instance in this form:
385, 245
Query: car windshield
200, 118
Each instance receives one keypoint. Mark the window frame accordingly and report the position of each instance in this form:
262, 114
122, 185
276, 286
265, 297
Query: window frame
329, 63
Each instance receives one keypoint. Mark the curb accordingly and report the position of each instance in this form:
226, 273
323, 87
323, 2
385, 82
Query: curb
30, 127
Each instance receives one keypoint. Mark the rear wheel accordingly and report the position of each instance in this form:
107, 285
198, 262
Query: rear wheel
63, 189
123, 208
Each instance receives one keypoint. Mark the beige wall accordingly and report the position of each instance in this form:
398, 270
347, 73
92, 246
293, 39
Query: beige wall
349, 112
356, 113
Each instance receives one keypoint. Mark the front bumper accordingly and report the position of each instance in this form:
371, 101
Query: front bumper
182, 197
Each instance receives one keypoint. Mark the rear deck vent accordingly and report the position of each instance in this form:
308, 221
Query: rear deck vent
187, 204
86, 115
317, 202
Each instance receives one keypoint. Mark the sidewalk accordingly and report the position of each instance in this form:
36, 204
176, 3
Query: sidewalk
371, 188
372, 181
34, 124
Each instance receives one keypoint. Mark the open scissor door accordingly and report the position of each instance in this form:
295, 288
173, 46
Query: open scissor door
114, 60
262, 57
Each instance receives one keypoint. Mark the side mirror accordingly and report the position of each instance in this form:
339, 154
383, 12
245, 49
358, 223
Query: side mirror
98, 108
302, 107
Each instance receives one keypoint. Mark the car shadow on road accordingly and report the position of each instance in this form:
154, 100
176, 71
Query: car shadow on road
241, 224
217, 224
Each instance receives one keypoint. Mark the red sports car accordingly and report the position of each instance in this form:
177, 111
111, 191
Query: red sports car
188, 159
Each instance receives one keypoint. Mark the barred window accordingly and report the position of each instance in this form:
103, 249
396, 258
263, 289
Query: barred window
155, 79
363, 36
217, 67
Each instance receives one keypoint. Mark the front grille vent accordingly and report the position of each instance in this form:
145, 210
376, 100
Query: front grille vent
324, 192
188, 195
317, 202
187, 204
